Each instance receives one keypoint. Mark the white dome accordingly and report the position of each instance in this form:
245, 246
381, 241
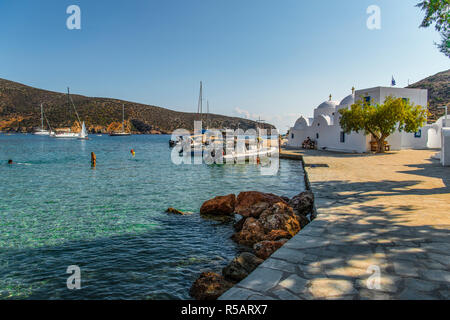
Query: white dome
328, 105
348, 100
301, 123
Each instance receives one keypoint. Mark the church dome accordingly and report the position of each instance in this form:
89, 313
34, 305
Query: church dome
327, 105
348, 100
301, 123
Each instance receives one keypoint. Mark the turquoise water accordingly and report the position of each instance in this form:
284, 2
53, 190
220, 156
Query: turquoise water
56, 211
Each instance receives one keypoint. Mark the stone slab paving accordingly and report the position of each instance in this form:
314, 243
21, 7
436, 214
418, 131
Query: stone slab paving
386, 215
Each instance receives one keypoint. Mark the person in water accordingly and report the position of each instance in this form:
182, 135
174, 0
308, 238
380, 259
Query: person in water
93, 160
10, 161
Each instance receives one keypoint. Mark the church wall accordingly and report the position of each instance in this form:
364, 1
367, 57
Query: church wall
434, 137
417, 96
445, 152
330, 131
395, 141
299, 137
417, 140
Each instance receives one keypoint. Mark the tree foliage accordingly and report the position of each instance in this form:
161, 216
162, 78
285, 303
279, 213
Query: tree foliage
438, 12
382, 120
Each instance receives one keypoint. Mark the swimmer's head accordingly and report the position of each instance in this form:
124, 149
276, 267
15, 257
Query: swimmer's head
10, 161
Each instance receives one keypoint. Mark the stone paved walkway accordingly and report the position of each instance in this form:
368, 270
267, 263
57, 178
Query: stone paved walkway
376, 213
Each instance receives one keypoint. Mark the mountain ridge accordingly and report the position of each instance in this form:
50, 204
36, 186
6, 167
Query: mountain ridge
20, 112
438, 86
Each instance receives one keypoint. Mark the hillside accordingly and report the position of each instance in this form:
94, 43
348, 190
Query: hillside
438, 92
20, 111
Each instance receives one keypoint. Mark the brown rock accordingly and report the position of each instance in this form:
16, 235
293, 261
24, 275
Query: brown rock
222, 206
238, 225
264, 249
251, 233
280, 217
253, 203
175, 211
303, 203
275, 235
304, 221
241, 266
209, 286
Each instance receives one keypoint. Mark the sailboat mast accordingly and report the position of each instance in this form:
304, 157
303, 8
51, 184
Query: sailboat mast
71, 102
42, 118
123, 117
207, 114
200, 101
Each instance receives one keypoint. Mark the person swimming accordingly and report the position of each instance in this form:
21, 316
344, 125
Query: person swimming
10, 161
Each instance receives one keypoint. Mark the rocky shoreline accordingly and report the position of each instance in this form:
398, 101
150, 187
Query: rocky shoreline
264, 223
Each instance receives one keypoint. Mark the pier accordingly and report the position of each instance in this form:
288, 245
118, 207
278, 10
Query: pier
382, 232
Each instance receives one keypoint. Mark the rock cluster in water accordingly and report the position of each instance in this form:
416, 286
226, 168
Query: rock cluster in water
266, 222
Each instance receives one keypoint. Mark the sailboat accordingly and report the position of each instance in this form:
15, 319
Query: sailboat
41, 131
83, 133
72, 135
122, 133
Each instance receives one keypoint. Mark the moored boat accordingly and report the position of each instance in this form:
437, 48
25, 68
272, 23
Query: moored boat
41, 131
68, 134
123, 132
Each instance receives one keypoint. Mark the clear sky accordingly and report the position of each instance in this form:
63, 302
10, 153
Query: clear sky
276, 59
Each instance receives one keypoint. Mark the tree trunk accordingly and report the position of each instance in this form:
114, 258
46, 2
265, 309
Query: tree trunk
380, 143
380, 146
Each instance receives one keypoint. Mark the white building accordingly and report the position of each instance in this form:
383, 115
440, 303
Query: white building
325, 130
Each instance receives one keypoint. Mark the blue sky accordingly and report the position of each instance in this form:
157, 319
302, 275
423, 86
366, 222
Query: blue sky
276, 59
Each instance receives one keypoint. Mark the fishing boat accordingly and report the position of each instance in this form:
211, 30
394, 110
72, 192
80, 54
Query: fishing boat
250, 155
41, 131
82, 135
123, 132
240, 153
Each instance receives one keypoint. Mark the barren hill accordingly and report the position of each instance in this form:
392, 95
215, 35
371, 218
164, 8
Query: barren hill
20, 111
438, 92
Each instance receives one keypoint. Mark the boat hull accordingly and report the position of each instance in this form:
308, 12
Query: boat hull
41, 133
119, 134
66, 136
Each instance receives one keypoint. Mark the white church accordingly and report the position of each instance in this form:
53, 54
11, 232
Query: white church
325, 130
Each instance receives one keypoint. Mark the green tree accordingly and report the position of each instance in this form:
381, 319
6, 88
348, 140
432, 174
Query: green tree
382, 120
438, 12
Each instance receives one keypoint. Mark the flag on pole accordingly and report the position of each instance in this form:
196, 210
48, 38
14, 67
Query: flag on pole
393, 83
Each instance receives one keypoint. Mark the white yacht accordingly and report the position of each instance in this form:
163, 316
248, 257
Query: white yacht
66, 135
41, 131
72, 135
123, 132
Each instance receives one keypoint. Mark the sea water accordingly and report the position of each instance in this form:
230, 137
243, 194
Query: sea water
56, 211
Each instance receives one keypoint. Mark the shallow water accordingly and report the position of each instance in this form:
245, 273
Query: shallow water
56, 211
